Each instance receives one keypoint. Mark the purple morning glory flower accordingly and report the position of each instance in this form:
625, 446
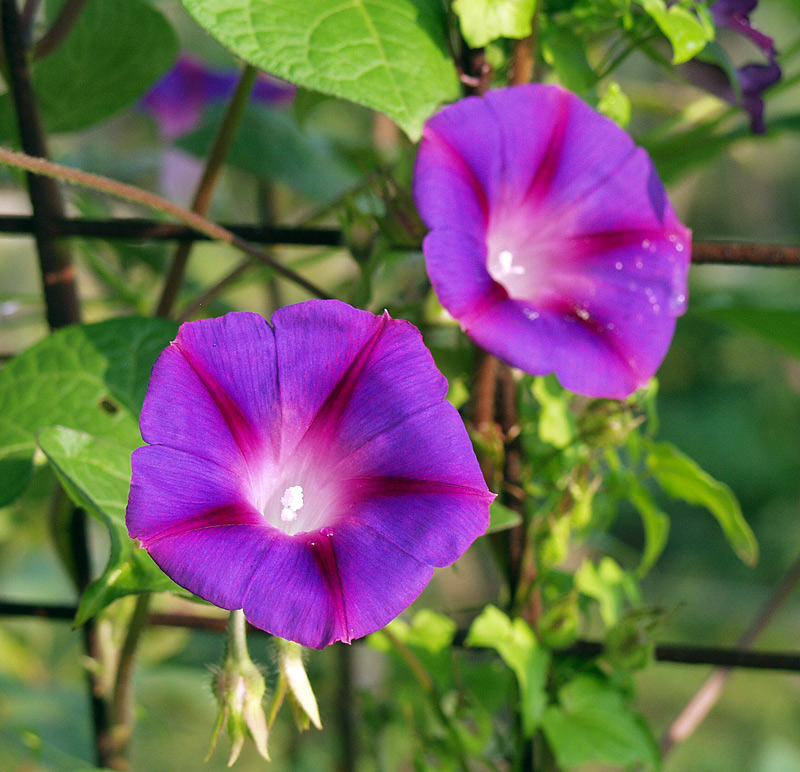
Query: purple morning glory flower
552, 240
753, 79
177, 101
735, 15
309, 472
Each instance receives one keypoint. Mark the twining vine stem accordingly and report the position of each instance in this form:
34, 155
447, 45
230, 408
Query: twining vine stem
61, 27
208, 183
137, 195
62, 308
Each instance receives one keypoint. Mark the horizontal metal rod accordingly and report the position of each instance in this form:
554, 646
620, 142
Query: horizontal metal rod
703, 655
665, 652
138, 228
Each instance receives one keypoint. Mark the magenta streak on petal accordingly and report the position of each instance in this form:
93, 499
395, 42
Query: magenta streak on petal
466, 172
244, 434
331, 411
497, 294
543, 178
219, 517
596, 243
321, 546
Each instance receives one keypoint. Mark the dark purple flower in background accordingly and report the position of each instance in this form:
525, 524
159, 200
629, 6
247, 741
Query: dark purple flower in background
753, 79
309, 472
552, 240
177, 101
735, 15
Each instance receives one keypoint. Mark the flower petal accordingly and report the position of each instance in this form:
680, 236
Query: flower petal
317, 342
182, 506
178, 409
595, 363
230, 556
233, 359
392, 378
407, 496
174, 491
289, 595
378, 579
458, 160
457, 269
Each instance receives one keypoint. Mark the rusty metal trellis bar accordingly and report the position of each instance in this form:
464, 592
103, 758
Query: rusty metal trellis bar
136, 228
665, 652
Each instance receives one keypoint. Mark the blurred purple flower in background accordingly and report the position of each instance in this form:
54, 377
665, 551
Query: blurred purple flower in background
552, 240
178, 100
735, 15
310, 472
753, 79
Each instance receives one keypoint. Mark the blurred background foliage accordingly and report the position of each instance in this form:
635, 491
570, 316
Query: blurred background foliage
728, 398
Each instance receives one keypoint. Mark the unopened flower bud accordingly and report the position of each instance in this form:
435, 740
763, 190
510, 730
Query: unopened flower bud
239, 688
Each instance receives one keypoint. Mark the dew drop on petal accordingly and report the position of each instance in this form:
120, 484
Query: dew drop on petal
618, 265
677, 304
582, 313
530, 314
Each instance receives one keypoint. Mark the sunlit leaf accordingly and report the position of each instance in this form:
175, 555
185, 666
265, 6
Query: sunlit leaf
687, 33
517, 646
615, 104
556, 421
655, 524
593, 723
609, 585
87, 377
96, 473
390, 55
682, 478
485, 20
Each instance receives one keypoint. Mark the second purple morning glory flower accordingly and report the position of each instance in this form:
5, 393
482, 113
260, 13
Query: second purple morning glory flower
310, 472
177, 101
752, 79
552, 240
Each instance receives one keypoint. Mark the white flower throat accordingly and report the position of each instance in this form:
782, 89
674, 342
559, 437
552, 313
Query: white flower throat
292, 503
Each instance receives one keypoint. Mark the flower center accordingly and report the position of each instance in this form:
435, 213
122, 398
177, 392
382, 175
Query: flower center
292, 503
501, 267
528, 254
296, 495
